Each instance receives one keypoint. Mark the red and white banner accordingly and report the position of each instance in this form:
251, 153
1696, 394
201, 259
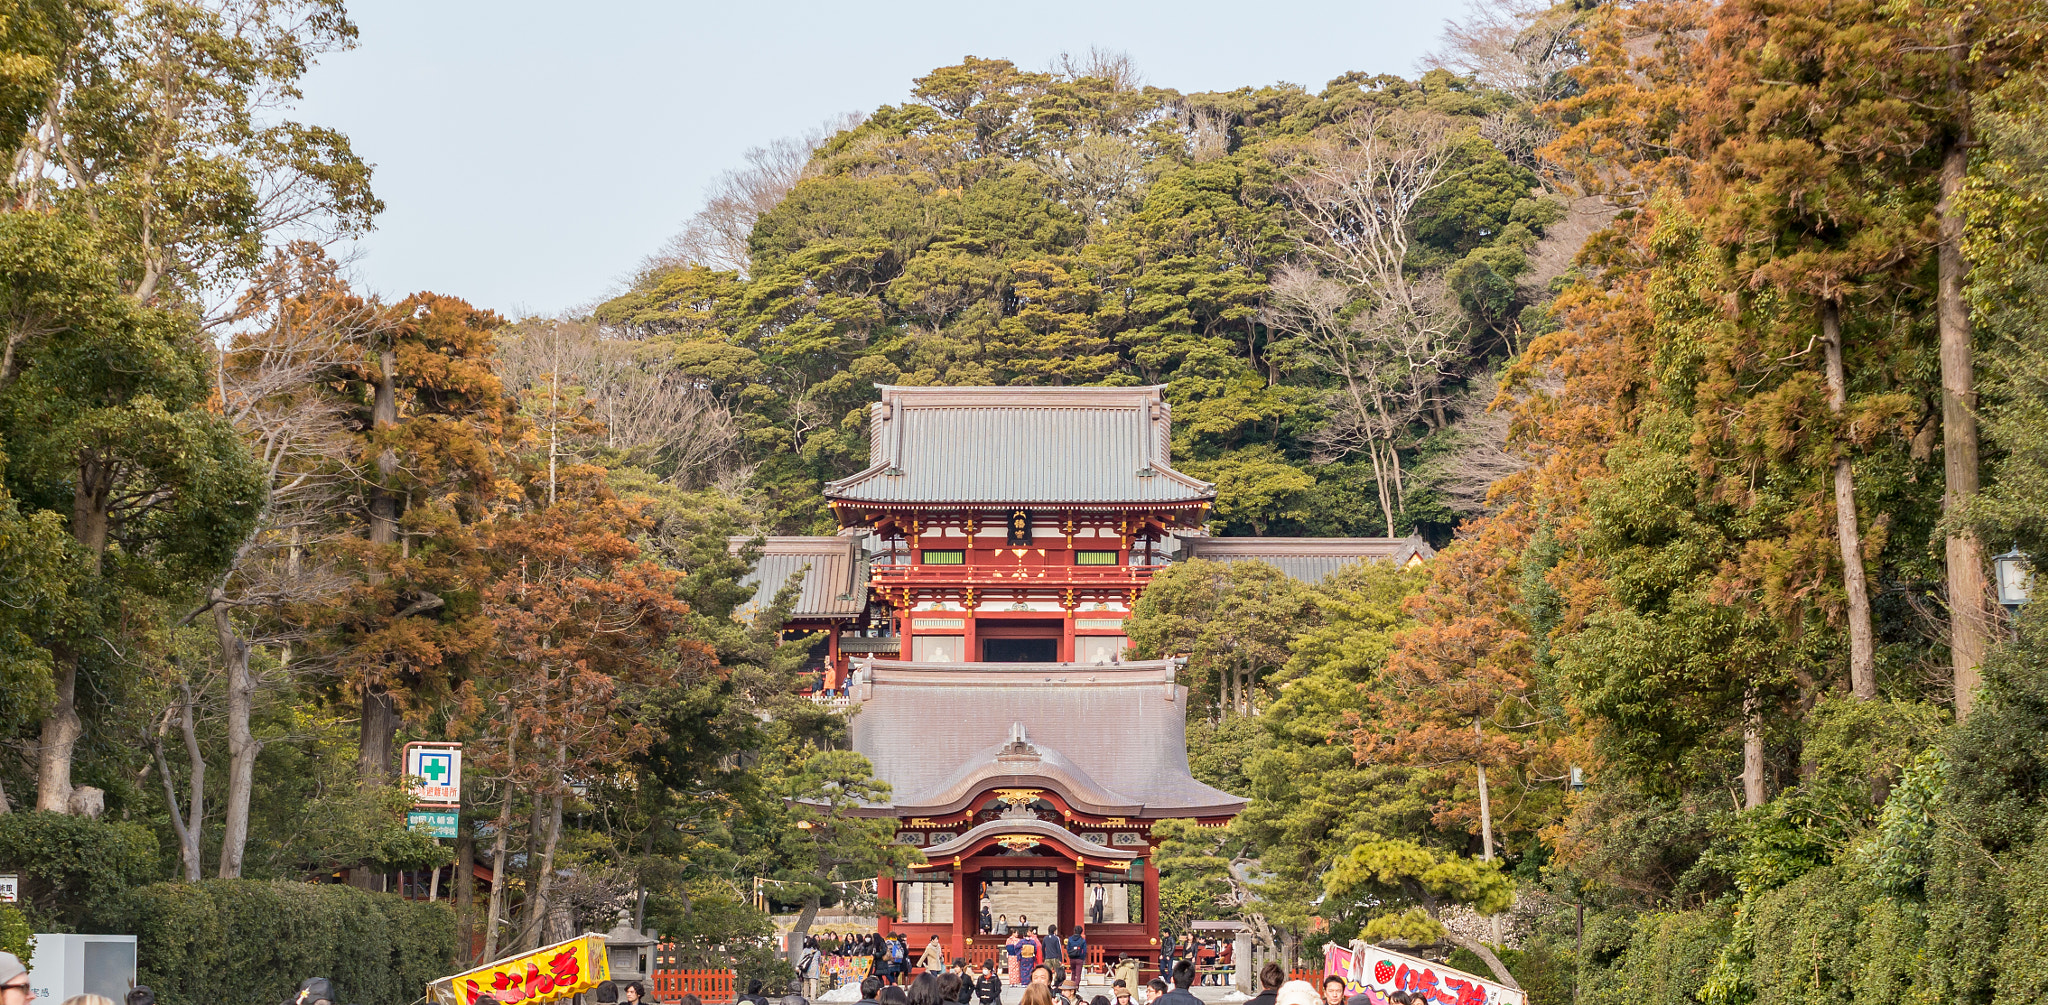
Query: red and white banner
1377, 973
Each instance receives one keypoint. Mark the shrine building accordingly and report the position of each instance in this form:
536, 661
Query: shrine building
972, 608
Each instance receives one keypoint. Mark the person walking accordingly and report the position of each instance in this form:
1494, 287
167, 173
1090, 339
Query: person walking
1077, 950
1127, 972
988, 990
934, 958
1055, 947
812, 966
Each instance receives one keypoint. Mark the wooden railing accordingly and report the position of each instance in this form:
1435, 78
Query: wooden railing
1018, 577
707, 985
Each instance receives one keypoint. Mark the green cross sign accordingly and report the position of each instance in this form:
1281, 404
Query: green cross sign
435, 767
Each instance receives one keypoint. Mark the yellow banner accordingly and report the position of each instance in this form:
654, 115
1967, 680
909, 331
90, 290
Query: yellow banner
543, 975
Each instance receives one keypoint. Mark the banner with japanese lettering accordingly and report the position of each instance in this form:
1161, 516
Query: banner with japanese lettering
544, 975
1377, 973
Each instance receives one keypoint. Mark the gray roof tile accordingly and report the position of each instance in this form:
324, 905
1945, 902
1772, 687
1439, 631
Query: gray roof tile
1309, 559
1071, 446
1111, 738
835, 587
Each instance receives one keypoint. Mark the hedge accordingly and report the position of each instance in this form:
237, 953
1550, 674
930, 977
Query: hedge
250, 942
69, 864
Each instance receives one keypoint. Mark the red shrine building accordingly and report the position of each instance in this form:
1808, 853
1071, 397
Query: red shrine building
972, 608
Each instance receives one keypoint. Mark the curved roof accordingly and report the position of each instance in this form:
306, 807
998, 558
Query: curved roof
1045, 831
1067, 446
1109, 739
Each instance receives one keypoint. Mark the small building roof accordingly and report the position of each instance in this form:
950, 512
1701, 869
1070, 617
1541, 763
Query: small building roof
1110, 739
835, 580
1070, 447
1309, 559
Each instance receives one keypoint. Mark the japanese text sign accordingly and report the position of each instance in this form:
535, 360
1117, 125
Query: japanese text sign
544, 975
1377, 973
439, 824
435, 773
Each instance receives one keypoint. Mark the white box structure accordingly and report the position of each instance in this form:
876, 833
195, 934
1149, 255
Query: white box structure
66, 965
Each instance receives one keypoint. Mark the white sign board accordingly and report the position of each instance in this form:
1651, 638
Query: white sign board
10, 889
1377, 973
435, 773
68, 965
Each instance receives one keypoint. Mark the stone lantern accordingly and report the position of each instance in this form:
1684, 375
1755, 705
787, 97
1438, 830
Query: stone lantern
631, 955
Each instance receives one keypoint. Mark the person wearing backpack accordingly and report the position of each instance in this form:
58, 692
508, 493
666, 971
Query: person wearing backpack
899, 958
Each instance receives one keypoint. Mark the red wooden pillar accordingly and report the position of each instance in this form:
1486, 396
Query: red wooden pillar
832, 673
1152, 895
885, 889
1067, 638
970, 647
964, 914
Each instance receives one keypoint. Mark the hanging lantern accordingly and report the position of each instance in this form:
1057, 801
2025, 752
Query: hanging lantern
2013, 577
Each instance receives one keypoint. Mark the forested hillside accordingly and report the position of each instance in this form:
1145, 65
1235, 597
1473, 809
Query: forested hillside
1325, 281
1704, 340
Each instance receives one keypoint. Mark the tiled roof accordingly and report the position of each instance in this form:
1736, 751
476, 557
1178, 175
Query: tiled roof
1309, 559
1071, 446
835, 587
1111, 739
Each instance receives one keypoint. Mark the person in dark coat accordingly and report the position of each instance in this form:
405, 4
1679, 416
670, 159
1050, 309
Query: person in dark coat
1270, 979
989, 989
1183, 979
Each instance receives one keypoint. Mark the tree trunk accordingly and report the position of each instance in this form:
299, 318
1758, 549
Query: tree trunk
1485, 823
1862, 647
465, 889
1752, 753
384, 416
61, 730
497, 902
185, 826
544, 883
91, 501
1478, 948
379, 730
1970, 619
242, 744
804, 919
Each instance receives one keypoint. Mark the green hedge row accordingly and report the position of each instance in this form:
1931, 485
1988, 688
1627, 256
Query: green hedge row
68, 864
245, 942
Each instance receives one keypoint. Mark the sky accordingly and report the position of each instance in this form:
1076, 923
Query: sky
530, 155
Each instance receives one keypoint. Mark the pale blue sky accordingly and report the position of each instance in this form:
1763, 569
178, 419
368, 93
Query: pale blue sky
531, 154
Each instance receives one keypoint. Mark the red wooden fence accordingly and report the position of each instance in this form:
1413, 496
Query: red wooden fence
707, 985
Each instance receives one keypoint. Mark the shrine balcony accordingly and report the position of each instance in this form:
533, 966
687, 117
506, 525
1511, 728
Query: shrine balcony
1013, 577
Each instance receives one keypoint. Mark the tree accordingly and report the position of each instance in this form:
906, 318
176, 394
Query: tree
105, 421
275, 383
160, 124
1232, 620
815, 841
432, 426
584, 627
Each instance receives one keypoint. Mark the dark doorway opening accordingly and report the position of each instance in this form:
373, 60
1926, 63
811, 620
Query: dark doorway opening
1020, 650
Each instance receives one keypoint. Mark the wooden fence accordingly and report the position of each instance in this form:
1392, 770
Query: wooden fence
707, 985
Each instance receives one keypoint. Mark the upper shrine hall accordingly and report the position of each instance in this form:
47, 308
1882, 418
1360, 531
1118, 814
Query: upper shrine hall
972, 607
